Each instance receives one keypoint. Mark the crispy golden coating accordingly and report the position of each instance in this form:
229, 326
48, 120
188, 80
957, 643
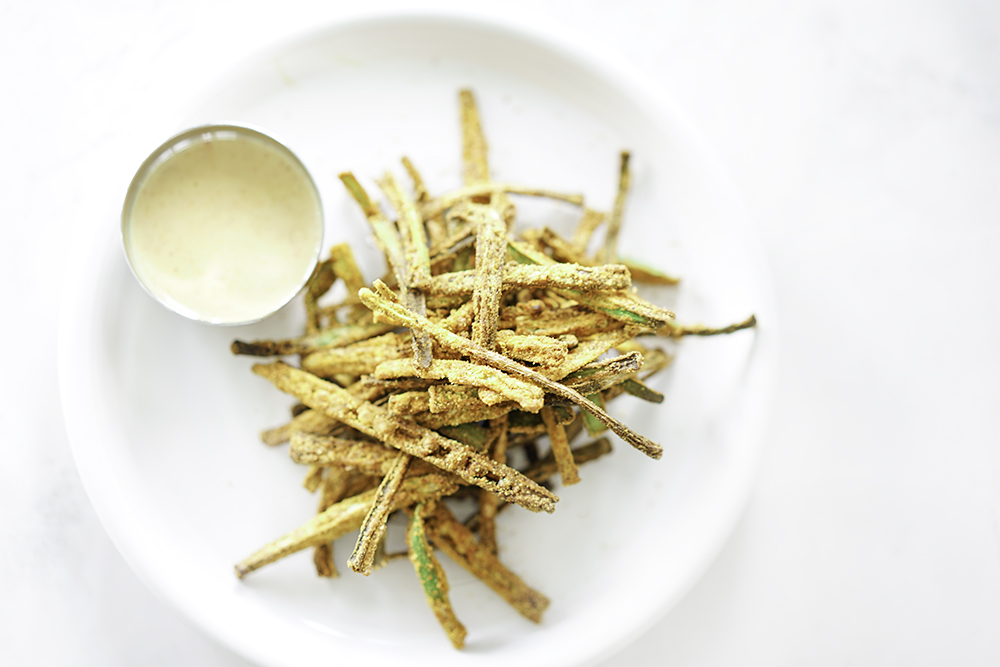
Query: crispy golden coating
432, 577
464, 346
473, 344
373, 527
344, 517
409, 436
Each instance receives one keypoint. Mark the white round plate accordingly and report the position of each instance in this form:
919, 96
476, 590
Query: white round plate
164, 421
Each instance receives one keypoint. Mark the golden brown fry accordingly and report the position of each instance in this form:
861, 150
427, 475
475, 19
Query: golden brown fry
322, 280
587, 351
344, 517
358, 358
540, 350
370, 458
444, 397
408, 436
436, 207
624, 306
335, 337
309, 421
464, 346
647, 275
333, 490
590, 221
473, 143
529, 396
518, 276
432, 577
345, 268
373, 526
489, 502
600, 375
313, 478
409, 402
462, 547
419, 189
678, 331
491, 254
417, 269
610, 251
560, 448
564, 321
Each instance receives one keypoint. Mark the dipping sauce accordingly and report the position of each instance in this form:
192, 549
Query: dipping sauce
223, 224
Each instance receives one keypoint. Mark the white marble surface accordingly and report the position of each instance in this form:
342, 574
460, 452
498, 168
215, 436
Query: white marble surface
866, 139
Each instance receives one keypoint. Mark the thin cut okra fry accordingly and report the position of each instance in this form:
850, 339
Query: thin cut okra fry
491, 255
623, 306
320, 283
488, 502
587, 351
371, 458
418, 263
419, 189
466, 347
373, 526
309, 421
610, 251
541, 350
461, 546
409, 402
677, 331
553, 276
345, 516
345, 268
647, 275
639, 390
313, 478
529, 396
474, 146
439, 205
359, 358
560, 448
406, 435
332, 490
334, 337
392, 243
432, 577
590, 221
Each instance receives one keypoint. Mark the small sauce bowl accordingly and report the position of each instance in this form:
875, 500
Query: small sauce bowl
222, 224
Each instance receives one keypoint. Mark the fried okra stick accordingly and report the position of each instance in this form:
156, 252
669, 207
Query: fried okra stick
408, 436
343, 517
519, 276
432, 577
439, 205
373, 527
678, 331
334, 337
488, 502
610, 251
560, 448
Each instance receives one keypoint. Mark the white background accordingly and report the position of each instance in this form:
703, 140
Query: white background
865, 137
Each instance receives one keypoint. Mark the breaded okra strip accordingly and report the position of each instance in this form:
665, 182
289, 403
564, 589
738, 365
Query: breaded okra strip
408, 436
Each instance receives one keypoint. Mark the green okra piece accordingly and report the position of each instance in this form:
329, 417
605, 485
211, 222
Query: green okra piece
432, 576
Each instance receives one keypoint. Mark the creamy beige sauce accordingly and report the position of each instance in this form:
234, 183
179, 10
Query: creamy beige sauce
225, 230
